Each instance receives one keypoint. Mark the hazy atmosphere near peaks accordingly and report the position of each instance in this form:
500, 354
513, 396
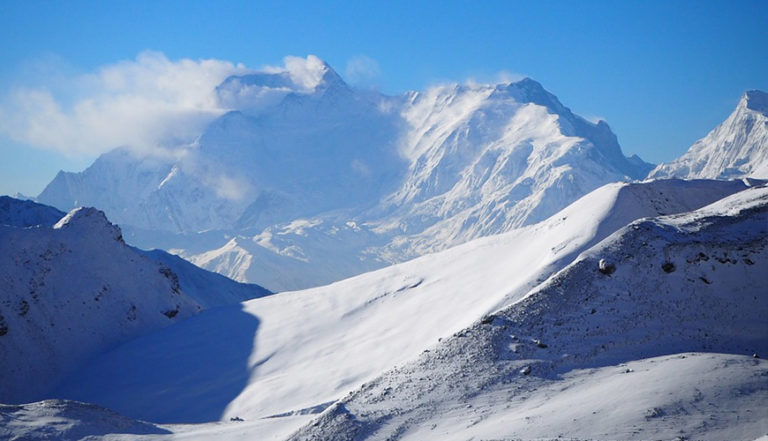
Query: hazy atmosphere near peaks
80, 78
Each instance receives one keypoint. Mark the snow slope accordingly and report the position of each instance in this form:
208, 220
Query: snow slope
71, 291
648, 335
415, 174
736, 148
293, 353
74, 289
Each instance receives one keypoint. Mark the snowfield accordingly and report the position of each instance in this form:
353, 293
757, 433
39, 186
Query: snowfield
653, 333
444, 340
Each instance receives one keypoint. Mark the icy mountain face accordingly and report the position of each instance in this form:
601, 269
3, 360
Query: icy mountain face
736, 148
414, 173
207, 288
119, 183
319, 147
486, 159
73, 288
553, 364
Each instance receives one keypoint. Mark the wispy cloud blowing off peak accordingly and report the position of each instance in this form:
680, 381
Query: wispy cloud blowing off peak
151, 104
141, 104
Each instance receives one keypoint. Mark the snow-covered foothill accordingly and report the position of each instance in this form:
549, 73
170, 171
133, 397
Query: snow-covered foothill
665, 346
295, 352
71, 291
736, 148
72, 288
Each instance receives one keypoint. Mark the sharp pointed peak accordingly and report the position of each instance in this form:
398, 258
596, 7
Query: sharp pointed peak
756, 100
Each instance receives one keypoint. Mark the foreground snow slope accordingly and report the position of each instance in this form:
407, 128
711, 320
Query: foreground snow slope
648, 335
736, 148
72, 288
298, 351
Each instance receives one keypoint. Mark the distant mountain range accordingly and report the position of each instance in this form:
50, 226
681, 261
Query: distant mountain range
307, 182
303, 183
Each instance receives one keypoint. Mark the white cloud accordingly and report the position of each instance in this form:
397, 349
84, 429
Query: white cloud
305, 73
258, 93
144, 104
362, 70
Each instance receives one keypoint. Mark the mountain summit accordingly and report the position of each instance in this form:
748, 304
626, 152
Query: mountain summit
736, 148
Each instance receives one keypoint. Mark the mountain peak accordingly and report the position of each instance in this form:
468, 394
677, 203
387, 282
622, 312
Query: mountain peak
311, 73
89, 218
736, 148
756, 100
259, 91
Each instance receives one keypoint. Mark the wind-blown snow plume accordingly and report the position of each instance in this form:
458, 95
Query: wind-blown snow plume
362, 70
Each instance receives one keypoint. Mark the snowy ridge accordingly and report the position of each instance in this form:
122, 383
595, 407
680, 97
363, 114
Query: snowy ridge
21, 213
72, 291
486, 159
298, 350
550, 365
736, 148
415, 173
207, 288
75, 289
73, 422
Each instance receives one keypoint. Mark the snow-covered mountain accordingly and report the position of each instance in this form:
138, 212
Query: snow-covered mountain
736, 148
381, 179
290, 355
652, 334
72, 289
21, 213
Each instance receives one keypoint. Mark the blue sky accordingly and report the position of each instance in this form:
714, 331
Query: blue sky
661, 73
